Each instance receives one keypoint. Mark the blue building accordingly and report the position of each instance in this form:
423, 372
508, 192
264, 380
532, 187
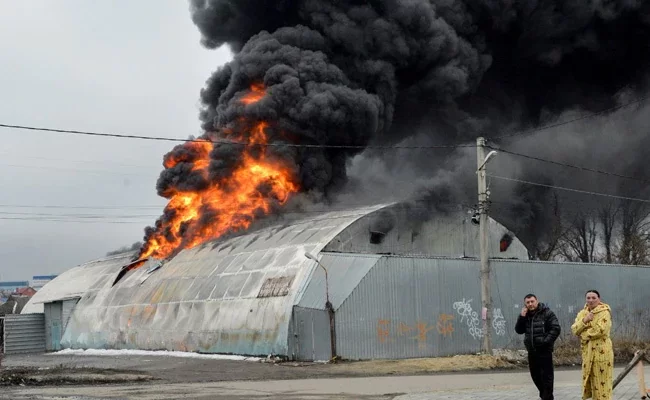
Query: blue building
38, 281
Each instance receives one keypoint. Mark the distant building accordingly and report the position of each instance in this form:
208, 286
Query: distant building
25, 292
12, 286
38, 281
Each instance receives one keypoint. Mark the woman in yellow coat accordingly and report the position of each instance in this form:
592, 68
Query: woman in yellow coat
593, 325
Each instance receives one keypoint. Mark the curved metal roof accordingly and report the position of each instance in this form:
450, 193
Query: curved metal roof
233, 295
77, 281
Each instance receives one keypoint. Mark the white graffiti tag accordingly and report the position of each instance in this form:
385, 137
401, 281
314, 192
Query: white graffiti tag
498, 322
470, 317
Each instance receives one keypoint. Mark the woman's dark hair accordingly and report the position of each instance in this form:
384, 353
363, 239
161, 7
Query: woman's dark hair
593, 291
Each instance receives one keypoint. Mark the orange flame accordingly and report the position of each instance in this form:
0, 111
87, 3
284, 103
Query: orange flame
256, 94
230, 204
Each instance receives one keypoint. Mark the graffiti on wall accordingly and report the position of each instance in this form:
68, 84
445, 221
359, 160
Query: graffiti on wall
498, 322
474, 326
383, 330
445, 324
419, 332
469, 317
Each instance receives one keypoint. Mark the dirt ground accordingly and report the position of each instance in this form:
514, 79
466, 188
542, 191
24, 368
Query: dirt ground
186, 370
57, 376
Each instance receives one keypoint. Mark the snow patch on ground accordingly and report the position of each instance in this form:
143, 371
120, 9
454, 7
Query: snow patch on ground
181, 354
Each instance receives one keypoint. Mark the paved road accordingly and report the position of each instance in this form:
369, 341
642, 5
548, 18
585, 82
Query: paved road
505, 386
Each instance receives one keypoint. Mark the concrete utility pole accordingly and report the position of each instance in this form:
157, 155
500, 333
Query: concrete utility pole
486, 298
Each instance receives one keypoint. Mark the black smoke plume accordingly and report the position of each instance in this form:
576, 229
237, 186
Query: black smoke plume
422, 72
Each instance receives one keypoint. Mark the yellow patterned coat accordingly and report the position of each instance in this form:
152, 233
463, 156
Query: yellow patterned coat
597, 352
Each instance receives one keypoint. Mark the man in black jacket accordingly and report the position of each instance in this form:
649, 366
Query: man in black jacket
541, 329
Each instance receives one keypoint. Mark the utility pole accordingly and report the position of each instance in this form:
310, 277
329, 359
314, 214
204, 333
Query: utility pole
486, 300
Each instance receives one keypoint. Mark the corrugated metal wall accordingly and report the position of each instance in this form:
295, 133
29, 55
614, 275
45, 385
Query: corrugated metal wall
309, 335
66, 311
446, 235
24, 333
394, 312
419, 307
344, 273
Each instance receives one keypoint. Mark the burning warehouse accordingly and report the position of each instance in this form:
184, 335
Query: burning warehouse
373, 102
257, 293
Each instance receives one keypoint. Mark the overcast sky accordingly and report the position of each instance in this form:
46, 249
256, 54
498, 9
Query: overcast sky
131, 67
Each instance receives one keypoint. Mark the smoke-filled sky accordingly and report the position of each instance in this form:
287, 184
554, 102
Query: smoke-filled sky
346, 72
422, 72
117, 66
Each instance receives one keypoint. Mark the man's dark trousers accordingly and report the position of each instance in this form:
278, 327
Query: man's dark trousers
541, 370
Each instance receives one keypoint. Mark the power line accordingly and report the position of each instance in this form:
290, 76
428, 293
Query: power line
578, 167
84, 207
68, 220
93, 162
89, 216
568, 189
78, 170
221, 141
567, 122
318, 215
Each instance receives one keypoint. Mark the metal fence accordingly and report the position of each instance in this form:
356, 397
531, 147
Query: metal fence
424, 307
2, 335
24, 333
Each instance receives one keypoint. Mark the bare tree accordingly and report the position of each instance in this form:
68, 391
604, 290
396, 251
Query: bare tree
549, 248
578, 242
634, 223
607, 217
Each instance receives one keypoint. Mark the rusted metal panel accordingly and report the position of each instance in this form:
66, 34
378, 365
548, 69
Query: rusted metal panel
276, 287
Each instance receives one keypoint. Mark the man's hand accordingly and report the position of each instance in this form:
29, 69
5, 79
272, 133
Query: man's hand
588, 318
524, 311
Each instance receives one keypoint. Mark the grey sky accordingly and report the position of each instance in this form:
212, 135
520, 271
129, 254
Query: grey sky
112, 66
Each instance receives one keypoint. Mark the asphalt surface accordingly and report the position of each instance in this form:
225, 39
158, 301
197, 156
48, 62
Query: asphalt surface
505, 386
181, 378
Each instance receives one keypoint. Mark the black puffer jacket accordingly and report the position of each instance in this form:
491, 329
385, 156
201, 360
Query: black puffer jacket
541, 329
